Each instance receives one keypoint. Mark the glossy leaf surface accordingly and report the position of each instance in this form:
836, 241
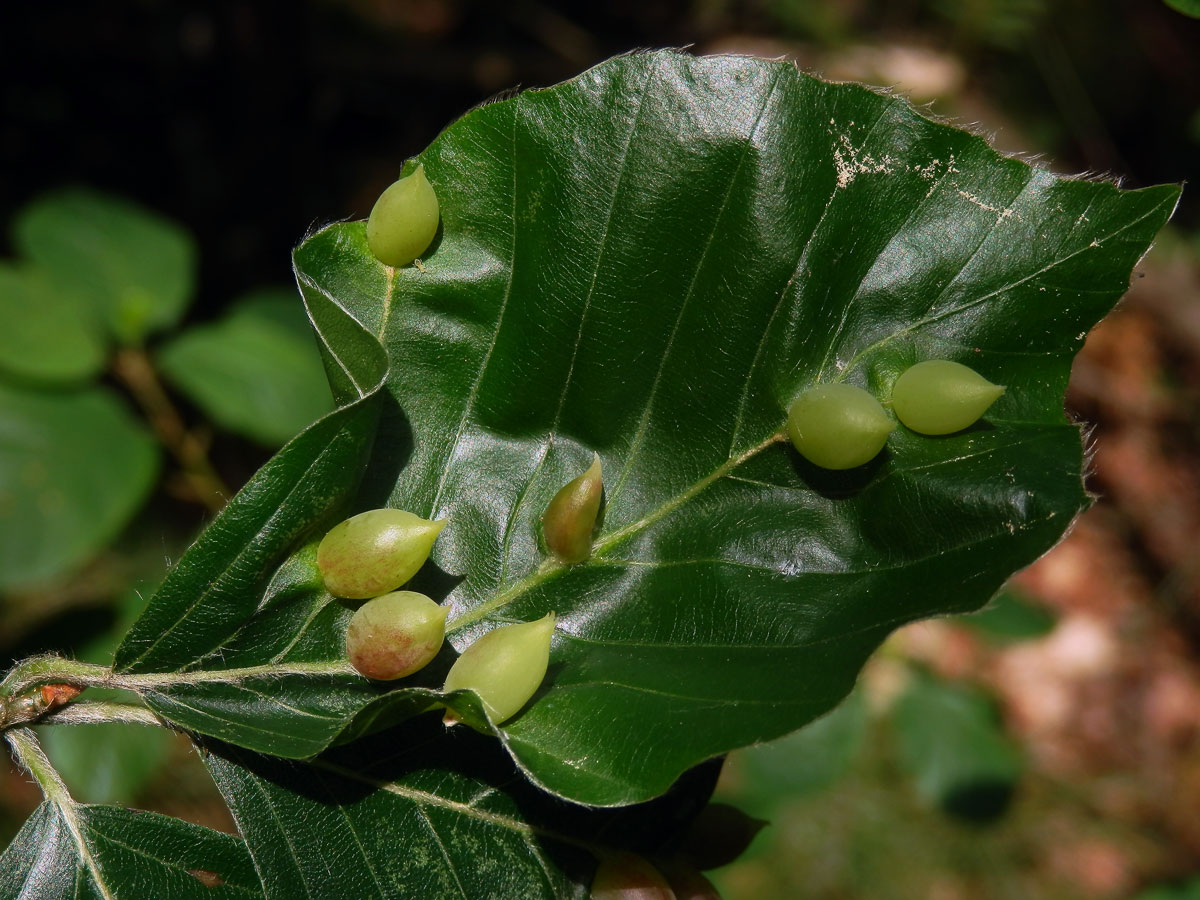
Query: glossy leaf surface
650, 262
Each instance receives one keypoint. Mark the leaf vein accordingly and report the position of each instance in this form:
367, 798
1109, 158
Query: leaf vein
639, 437
473, 396
287, 838
167, 863
987, 236
437, 838
917, 207
362, 850
955, 310
622, 171
801, 261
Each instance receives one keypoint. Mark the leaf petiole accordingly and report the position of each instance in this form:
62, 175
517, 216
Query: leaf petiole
27, 692
30, 756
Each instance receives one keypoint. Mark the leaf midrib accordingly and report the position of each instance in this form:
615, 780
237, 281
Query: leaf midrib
962, 307
748, 144
169, 864
551, 568
29, 751
422, 798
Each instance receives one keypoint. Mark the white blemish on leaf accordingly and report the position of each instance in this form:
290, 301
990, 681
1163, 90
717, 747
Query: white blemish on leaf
851, 162
1001, 214
933, 172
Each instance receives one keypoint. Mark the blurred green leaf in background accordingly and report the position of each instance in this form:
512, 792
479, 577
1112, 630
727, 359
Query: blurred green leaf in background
1187, 891
74, 467
108, 762
806, 761
48, 333
1010, 617
77, 465
952, 743
256, 372
137, 268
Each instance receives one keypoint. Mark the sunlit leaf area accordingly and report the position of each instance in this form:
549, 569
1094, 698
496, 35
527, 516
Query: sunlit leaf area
682, 637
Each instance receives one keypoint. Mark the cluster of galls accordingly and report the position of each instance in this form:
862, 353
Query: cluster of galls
840, 426
396, 633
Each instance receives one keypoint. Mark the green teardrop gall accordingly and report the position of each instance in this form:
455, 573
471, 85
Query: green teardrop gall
375, 552
838, 426
505, 667
395, 635
627, 876
570, 517
403, 220
940, 396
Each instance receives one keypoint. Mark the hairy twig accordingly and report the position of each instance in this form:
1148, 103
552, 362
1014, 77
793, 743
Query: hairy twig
96, 712
43, 672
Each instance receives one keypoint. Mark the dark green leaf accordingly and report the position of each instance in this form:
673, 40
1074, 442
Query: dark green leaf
118, 854
74, 467
420, 812
650, 262
256, 372
720, 834
46, 335
135, 266
951, 741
